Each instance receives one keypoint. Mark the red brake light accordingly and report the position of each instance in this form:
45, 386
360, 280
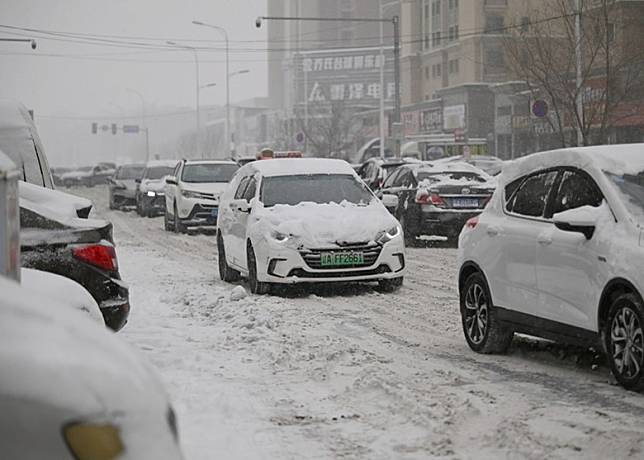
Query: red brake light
422, 197
472, 223
98, 255
437, 200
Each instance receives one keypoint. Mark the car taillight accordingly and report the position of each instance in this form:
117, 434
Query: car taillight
99, 255
437, 200
472, 223
422, 198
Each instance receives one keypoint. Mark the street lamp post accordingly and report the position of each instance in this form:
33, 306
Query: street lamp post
222, 30
197, 88
395, 21
145, 123
381, 120
31, 41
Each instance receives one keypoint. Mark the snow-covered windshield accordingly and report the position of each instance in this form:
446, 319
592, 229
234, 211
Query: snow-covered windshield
631, 188
208, 173
443, 176
315, 188
130, 172
157, 172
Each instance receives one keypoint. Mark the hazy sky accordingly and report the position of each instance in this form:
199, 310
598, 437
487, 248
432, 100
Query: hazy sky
91, 79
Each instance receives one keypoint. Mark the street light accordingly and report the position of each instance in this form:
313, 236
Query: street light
223, 31
381, 118
194, 51
145, 123
21, 40
395, 20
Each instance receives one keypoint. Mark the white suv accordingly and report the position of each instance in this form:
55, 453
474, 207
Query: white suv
192, 193
306, 220
559, 254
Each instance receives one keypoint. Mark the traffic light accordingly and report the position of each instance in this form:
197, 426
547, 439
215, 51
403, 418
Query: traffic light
113, 128
94, 128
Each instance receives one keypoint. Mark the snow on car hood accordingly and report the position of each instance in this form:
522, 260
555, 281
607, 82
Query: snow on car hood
63, 290
58, 358
64, 203
216, 188
315, 225
152, 185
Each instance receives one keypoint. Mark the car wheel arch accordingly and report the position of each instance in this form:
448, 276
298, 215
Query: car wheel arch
468, 269
613, 289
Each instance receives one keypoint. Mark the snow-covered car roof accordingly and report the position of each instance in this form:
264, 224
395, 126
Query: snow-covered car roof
445, 167
616, 159
297, 166
162, 163
211, 162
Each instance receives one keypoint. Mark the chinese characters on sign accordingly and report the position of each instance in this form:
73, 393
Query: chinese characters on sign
359, 62
350, 91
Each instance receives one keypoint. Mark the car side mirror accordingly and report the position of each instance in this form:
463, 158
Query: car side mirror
240, 205
390, 201
171, 180
581, 220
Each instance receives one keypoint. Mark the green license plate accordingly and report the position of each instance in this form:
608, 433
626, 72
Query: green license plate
341, 259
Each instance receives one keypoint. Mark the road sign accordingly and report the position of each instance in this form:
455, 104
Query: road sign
540, 108
300, 137
131, 129
94, 128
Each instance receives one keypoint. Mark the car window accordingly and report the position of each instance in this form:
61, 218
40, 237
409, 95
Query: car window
208, 172
241, 188
391, 179
157, 172
314, 188
129, 172
576, 189
400, 177
407, 179
531, 197
251, 188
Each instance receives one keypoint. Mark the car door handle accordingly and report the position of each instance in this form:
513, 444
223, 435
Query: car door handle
493, 231
544, 240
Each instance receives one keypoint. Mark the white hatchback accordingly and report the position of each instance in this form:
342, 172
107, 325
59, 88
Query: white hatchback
559, 254
306, 220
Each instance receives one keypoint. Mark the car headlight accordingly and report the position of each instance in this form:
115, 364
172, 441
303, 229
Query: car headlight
279, 236
388, 235
151, 194
189, 194
93, 441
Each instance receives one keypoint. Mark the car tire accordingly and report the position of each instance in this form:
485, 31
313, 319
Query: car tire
226, 273
178, 226
167, 225
409, 236
138, 207
390, 285
624, 341
483, 331
256, 287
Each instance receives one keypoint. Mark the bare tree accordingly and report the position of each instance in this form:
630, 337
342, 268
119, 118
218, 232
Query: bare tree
542, 52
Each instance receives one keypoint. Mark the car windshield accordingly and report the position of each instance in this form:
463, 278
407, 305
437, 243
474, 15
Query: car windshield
631, 188
209, 173
130, 172
157, 172
449, 176
315, 188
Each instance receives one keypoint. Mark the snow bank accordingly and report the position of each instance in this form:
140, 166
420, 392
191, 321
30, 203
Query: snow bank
321, 225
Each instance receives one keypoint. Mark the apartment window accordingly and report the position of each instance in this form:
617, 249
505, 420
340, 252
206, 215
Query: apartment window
436, 23
453, 66
452, 33
495, 61
494, 24
452, 20
427, 73
437, 71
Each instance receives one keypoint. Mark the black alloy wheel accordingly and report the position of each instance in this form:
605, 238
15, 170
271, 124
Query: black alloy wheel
226, 273
483, 331
256, 287
624, 339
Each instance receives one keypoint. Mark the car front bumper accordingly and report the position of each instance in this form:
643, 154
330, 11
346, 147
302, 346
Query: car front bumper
154, 203
199, 213
283, 265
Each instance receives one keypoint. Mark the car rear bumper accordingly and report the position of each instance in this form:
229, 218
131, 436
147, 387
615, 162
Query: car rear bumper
115, 313
448, 222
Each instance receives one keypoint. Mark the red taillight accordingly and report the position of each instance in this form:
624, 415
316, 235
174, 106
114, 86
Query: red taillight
422, 197
437, 200
472, 223
98, 255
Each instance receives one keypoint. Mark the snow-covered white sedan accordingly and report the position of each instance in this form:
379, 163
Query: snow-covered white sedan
69, 389
559, 254
288, 221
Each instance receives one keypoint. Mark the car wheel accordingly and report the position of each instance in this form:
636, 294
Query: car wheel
410, 237
225, 272
256, 287
390, 285
167, 225
483, 331
625, 341
178, 226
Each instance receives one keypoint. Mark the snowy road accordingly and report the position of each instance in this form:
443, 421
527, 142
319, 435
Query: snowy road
353, 373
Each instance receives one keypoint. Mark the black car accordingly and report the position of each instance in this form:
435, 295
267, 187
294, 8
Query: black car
79, 249
375, 171
122, 186
436, 200
150, 188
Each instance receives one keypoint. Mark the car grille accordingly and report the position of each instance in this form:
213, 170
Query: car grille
300, 273
371, 252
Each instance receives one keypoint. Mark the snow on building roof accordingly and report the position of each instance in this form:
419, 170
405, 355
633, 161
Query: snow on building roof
617, 159
295, 166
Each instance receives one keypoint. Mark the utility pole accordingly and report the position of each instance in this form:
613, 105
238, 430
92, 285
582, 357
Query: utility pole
31, 41
579, 59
